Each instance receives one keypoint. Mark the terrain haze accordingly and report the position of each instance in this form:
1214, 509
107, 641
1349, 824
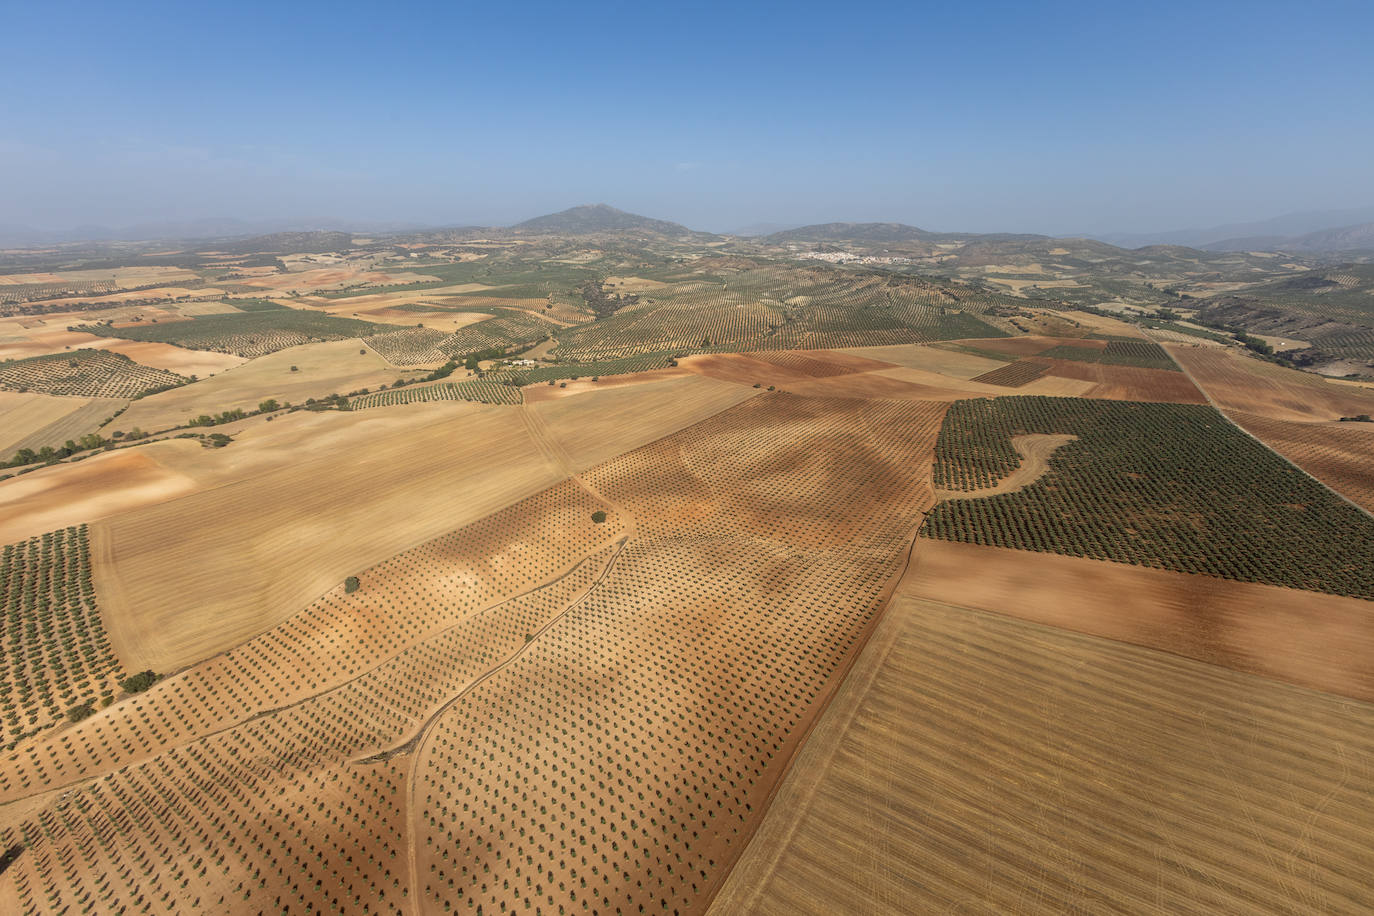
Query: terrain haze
1062, 119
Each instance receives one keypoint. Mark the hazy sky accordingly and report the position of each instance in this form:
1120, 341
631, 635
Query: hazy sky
1055, 117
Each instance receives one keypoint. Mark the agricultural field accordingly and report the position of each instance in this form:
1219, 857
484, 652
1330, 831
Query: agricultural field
1170, 486
1338, 454
294, 375
246, 334
1050, 772
1139, 353
86, 374
34, 420
409, 346
57, 659
536, 634
1013, 375
484, 391
1237, 383
802, 573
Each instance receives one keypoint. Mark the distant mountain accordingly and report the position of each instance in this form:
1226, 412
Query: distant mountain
857, 232
593, 218
1264, 232
286, 243
756, 229
1343, 239
13, 236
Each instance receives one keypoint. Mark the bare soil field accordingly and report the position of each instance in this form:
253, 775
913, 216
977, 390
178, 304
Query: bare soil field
1124, 383
598, 425
330, 278
31, 420
1340, 455
779, 368
977, 763
184, 578
1239, 383
921, 385
330, 367
1017, 347
96, 487
953, 363
1325, 642
538, 393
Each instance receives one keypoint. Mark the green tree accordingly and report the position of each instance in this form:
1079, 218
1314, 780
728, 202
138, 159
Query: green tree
268, 405
351, 585
137, 683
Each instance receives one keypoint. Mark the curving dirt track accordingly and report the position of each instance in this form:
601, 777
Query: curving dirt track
1035, 450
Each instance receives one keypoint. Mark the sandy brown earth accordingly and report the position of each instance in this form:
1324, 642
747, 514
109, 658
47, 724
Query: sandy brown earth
1340, 455
539, 393
183, 578
725, 621
1236, 382
27, 416
331, 278
600, 424
1126, 383
977, 763
954, 363
1315, 640
70, 419
1035, 450
92, 489
779, 368
331, 367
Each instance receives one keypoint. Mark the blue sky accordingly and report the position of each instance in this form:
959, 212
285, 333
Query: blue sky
1057, 117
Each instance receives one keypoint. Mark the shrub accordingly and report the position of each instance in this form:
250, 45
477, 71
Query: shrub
351, 585
84, 711
140, 682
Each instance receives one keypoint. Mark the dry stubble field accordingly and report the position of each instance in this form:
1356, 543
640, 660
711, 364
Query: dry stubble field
973, 763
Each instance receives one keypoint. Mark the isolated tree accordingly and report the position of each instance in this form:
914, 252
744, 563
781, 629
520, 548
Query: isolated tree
140, 682
598, 516
351, 584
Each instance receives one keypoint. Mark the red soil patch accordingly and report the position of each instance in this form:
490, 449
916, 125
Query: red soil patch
1321, 641
1237, 382
1014, 347
1127, 383
778, 368
1340, 455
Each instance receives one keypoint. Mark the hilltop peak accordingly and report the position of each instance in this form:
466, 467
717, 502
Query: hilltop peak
590, 218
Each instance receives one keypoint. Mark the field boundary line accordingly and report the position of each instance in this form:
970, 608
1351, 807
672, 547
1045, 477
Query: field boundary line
847, 709
415, 746
1319, 482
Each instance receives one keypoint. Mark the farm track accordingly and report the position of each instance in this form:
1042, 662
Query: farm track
1035, 450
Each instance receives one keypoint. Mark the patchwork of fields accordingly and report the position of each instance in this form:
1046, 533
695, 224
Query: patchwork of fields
619, 574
